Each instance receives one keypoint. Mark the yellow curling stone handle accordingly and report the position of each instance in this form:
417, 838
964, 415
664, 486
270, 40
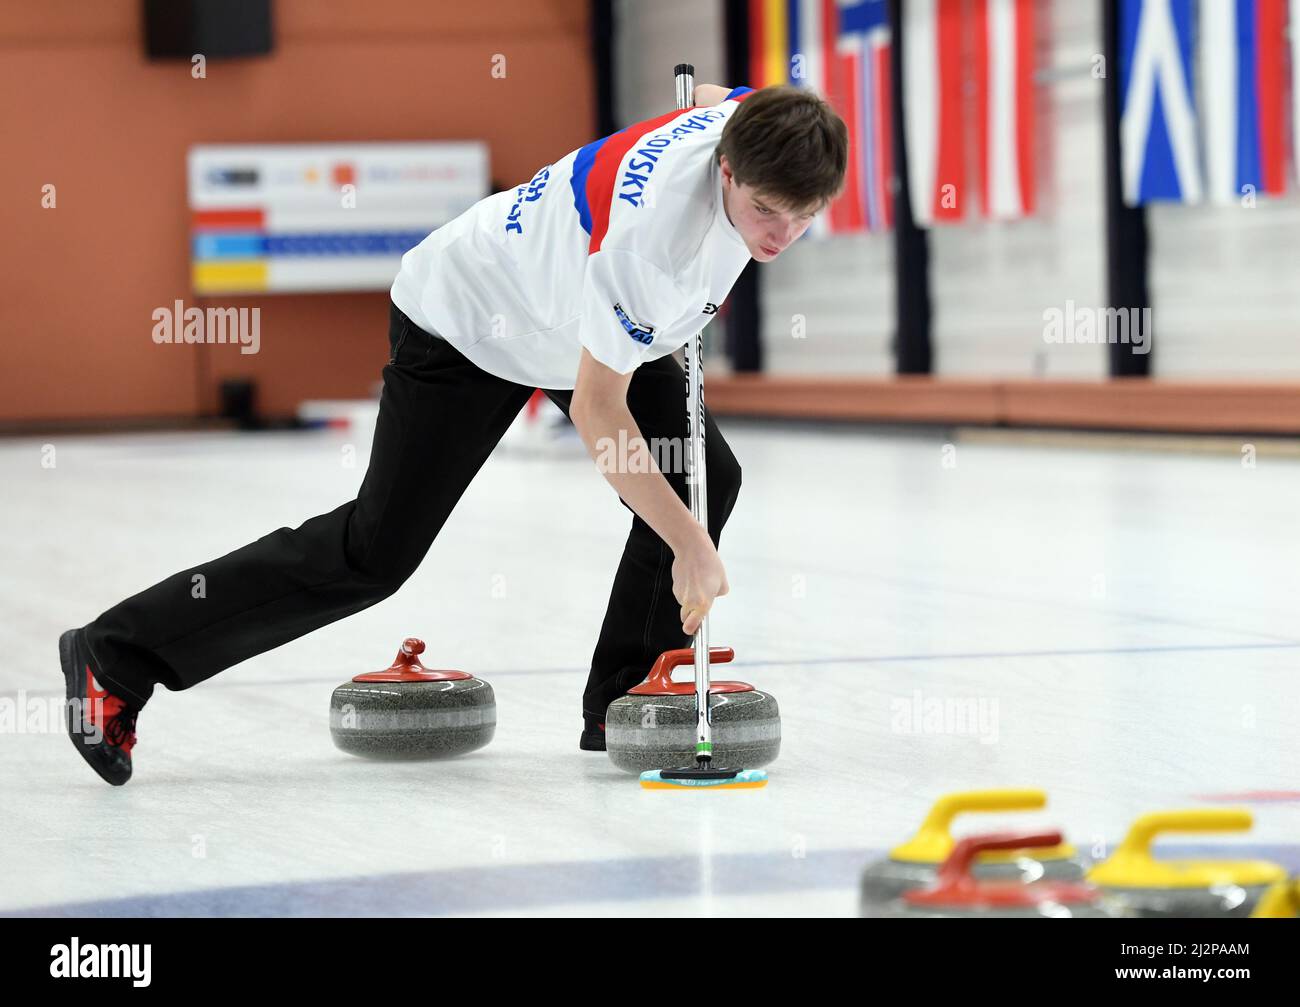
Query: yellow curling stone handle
1133, 866
1281, 902
933, 840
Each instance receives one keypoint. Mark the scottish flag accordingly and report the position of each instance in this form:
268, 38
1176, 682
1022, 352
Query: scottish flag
1158, 128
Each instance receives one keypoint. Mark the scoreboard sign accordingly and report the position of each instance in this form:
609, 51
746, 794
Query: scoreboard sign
321, 217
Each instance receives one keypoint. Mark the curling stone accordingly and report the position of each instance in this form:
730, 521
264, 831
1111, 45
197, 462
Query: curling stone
955, 893
1201, 888
915, 863
1280, 902
653, 726
410, 712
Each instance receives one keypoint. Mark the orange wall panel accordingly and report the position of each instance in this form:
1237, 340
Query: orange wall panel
86, 112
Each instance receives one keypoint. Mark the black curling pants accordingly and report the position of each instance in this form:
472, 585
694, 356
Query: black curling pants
440, 416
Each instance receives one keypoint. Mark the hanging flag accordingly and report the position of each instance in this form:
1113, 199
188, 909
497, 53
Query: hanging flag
798, 42
769, 49
1295, 82
1003, 52
864, 47
932, 109
1243, 79
1242, 53
1158, 128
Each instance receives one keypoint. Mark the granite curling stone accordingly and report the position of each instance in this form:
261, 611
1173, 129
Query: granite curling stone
915, 863
1181, 888
410, 712
653, 726
957, 894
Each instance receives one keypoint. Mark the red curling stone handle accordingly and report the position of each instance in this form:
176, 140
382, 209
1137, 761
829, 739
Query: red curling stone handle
955, 886
406, 667
660, 680
957, 867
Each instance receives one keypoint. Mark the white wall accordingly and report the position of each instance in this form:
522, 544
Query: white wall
839, 292
1224, 290
653, 36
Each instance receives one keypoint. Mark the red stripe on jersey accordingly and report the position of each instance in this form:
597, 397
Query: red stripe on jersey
600, 181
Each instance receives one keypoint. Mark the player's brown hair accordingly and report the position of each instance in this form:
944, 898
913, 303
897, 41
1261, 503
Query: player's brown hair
790, 145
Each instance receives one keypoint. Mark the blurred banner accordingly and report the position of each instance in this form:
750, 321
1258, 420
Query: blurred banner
1204, 103
321, 217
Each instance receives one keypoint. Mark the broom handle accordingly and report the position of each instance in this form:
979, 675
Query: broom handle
697, 483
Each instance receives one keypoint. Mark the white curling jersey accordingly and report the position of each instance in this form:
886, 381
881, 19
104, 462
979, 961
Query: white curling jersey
621, 246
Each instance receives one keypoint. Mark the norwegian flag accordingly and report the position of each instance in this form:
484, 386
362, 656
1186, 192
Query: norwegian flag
863, 51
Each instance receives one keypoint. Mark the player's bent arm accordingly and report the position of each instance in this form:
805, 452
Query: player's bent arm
599, 411
711, 94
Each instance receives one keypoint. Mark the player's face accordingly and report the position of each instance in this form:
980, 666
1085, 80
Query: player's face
768, 228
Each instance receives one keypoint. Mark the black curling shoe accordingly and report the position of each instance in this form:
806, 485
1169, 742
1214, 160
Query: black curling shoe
100, 724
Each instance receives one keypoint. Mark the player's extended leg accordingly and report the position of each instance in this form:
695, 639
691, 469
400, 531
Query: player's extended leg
643, 619
439, 419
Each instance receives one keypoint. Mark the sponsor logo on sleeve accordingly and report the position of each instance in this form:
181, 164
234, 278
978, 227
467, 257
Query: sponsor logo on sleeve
641, 333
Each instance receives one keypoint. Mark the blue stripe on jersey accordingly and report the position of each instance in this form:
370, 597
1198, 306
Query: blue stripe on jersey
582, 163
736, 92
